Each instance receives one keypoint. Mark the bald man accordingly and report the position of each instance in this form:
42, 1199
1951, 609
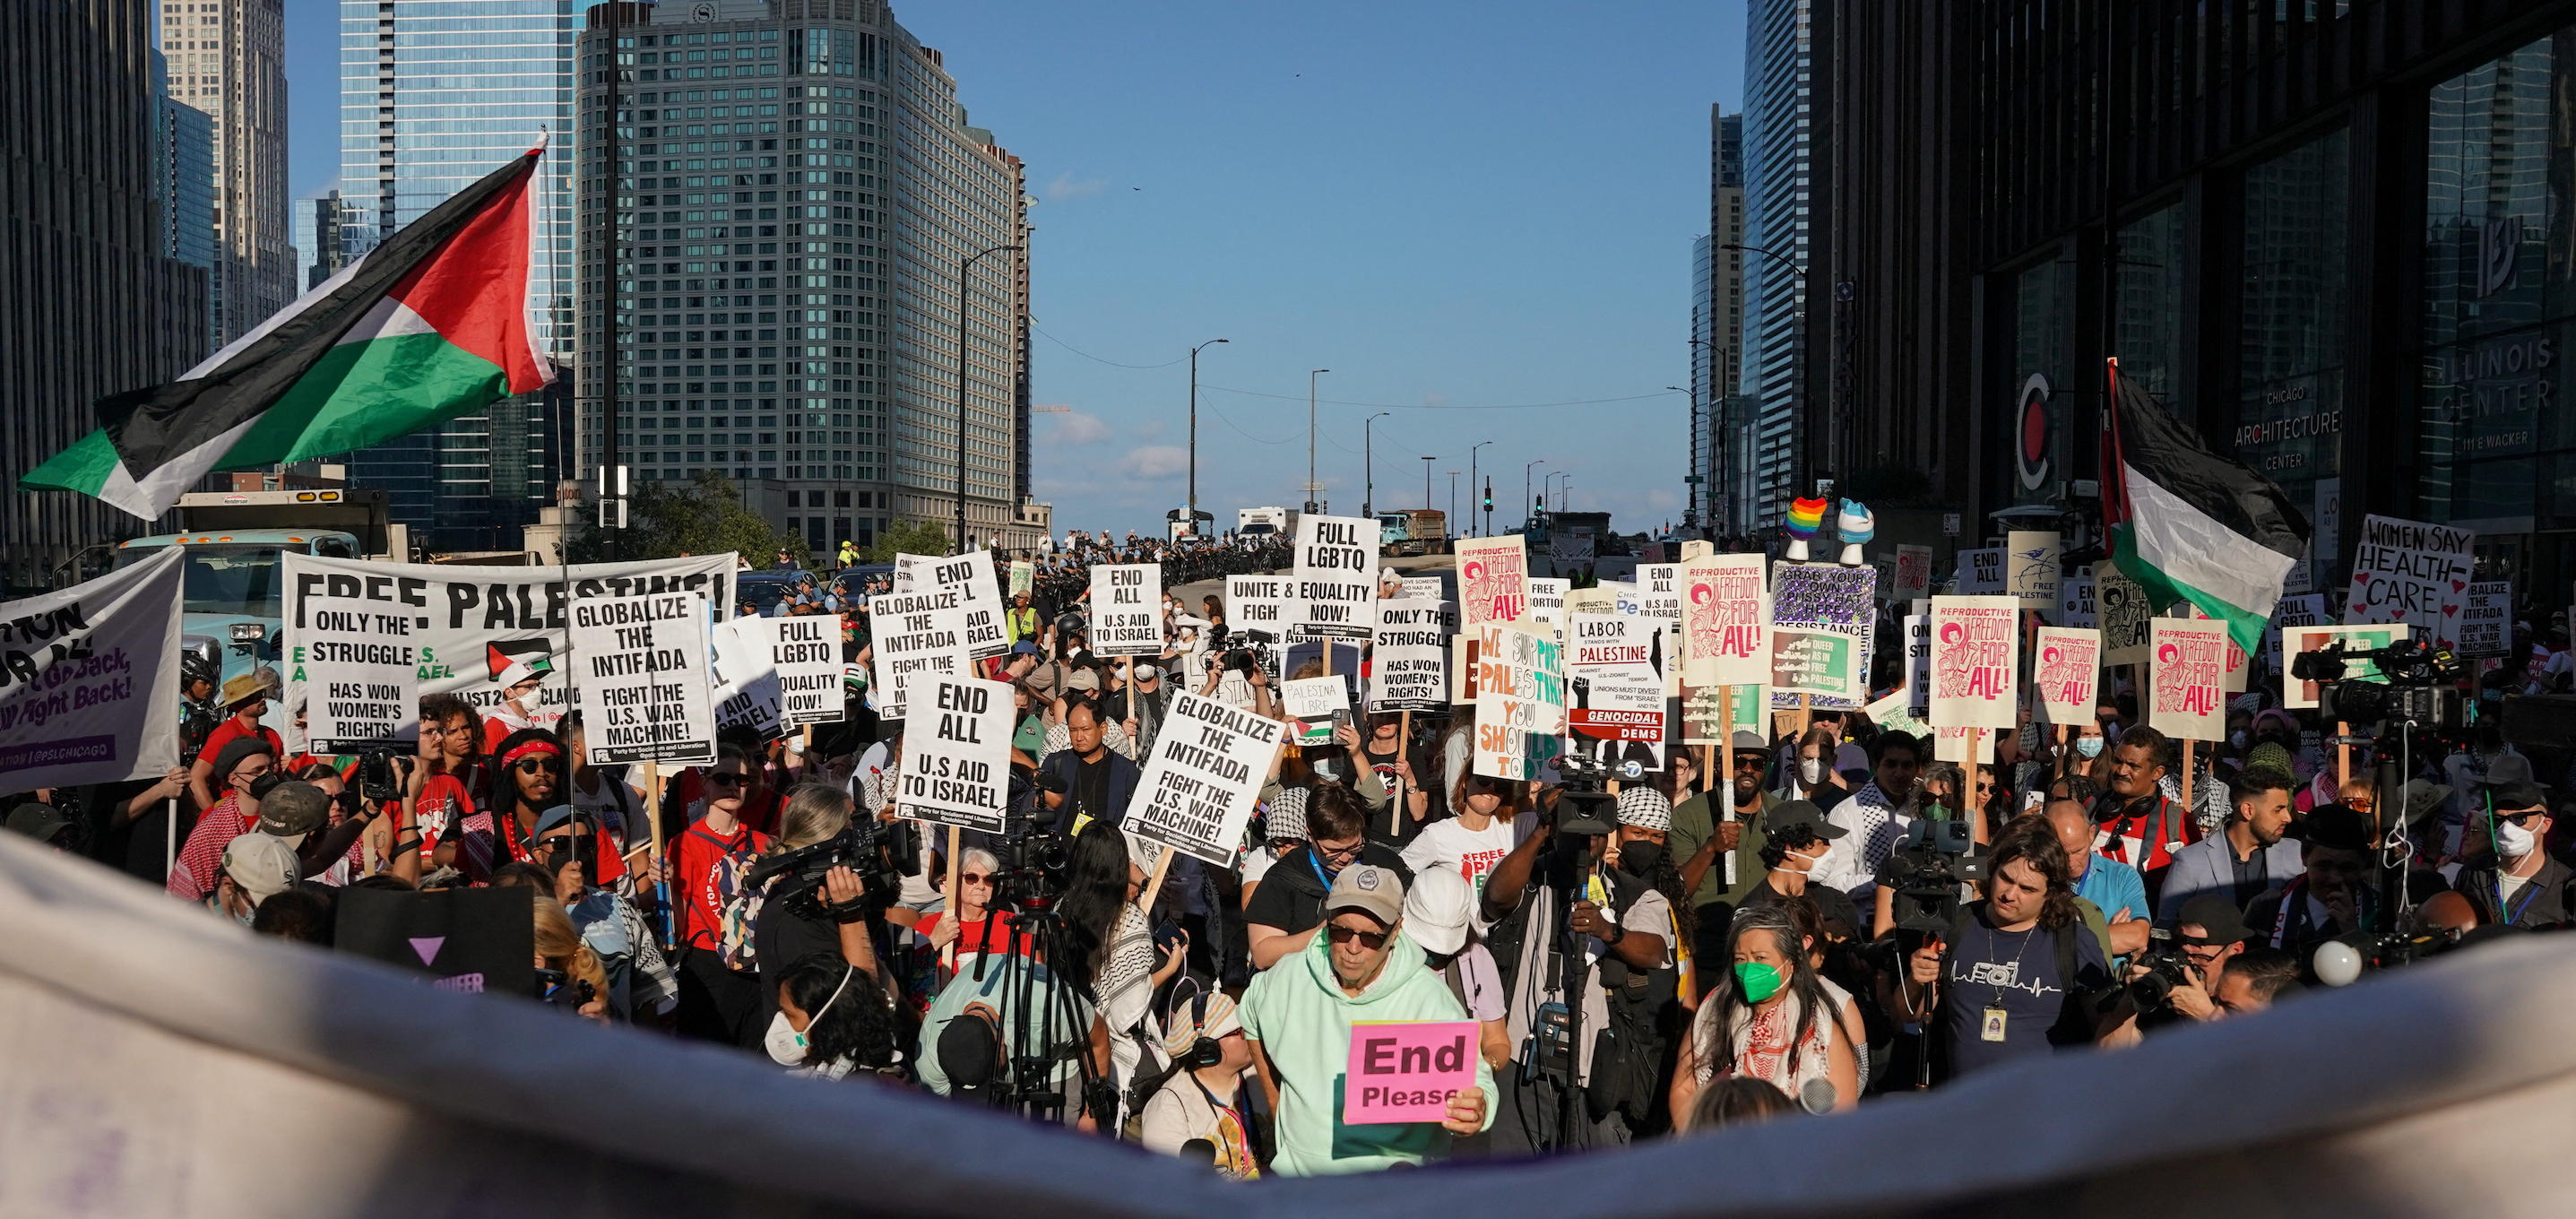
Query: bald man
2107, 883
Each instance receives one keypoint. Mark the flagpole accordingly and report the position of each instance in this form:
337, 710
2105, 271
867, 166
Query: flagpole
608, 328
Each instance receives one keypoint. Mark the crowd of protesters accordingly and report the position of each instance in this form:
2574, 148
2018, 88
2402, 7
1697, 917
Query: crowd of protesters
1724, 941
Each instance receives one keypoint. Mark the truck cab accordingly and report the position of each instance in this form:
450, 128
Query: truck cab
1413, 531
233, 591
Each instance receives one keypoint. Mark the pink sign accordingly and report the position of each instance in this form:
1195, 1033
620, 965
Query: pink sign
2189, 676
1724, 621
1406, 1071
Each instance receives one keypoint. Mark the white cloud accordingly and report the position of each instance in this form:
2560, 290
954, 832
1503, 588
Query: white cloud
1069, 185
1156, 461
1152, 429
1075, 428
1660, 499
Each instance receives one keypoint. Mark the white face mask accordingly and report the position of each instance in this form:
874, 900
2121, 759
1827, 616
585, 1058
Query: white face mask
786, 1046
2514, 840
1811, 770
1787, 855
2088, 746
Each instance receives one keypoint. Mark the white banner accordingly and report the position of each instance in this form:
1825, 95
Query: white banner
1725, 622
1336, 576
1127, 609
89, 678
355, 661
2189, 675
1976, 651
1408, 666
1918, 662
1493, 581
2411, 572
956, 766
641, 665
972, 575
2067, 672
1198, 790
918, 636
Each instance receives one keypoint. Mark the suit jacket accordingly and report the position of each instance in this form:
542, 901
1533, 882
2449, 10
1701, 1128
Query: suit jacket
1064, 763
2209, 866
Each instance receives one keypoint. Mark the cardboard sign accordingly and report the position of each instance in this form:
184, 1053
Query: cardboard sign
2124, 613
1520, 700
1614, 677
908, 569
1913, 572
1981, 572
356, 660
2030, 568
2411, 572
1918, 662
1892, 715
2066, 671
1311, 701
474, 941
1199, 788
1407, 1071
1127, 609
2301, 695
956, 766
1547, 602
1659, 597
919, 635
1493, 581
89, 678
755, 705
2486, 619
1821, 615
1024, 576
972, 575
1408, 666
1336, 576
800, 657
1256, 603
641, 666
1976, 654
2188, 679
2075, 601
1725, 621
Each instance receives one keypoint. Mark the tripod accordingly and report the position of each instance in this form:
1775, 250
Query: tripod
1044, 1030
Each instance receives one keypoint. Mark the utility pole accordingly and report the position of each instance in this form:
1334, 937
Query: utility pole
1368, 465
1314, 490
1194, 434
1426, 482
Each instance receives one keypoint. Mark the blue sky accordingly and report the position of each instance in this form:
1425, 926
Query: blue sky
1450, 206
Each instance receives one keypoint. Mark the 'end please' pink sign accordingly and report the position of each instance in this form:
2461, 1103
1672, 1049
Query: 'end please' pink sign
1407, 1071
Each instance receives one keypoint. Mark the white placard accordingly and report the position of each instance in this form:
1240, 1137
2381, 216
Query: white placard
917, 635
1493, 580
1918, 661
89, 678
1311, 701
1198, 790
2411, 572
1127, 609
1547, 602
1615, 687
2188, 696
1336, 576
956, 766
1976, 650
1913, 572
1409, 664
1725, 621
1981, 572
2066, 670
2075, 600
798, 655
2486, 618
2030, 568
1520, 700
1256, 603
640, 664
1427, 588
355, 658
971, 573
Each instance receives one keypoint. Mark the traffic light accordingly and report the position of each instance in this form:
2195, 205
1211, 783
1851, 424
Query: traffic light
1541, 505
1489, 495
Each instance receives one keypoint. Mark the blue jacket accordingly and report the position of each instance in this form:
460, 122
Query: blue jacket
1122, 785
2209, 866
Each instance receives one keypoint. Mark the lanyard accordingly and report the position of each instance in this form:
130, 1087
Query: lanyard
1317, 865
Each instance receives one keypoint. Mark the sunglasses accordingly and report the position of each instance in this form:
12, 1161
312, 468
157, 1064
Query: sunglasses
975, 878
1751, 761
722, 779
529, 766
2519, 817
1371, 940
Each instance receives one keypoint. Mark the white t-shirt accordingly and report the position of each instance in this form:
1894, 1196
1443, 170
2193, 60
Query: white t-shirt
1473, 852
1651, 913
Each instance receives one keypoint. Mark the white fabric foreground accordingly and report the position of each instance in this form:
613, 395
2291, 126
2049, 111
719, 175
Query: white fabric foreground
155, 1060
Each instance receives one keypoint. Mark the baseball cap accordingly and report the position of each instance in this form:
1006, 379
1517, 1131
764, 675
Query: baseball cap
2218, 919
518, 671
2517, 793
1744, 741
1082, 679
1369, 889
1436, 909
261, 865
1645, 808
1791, 814
1024, 647
560, 814
1031, 738
38, 821
293, 809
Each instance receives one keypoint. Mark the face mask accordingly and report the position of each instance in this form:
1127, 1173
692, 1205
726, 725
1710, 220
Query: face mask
1638, 858
1759, 981
2088, 747
1787, 855
2512, 839
2237, 739
1811, 770
786, 1046
245, 917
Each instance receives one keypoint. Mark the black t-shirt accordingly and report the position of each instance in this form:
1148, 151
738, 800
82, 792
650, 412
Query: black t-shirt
1291, 896
1091, 787
1426, 777
2009, 983
1833, 903
783, 937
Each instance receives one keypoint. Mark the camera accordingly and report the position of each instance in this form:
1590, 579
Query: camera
2166, 969
2418, 685
882, 853
1925, 871
377, 778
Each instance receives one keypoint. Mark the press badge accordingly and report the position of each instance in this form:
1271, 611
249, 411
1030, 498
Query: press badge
1993, 1029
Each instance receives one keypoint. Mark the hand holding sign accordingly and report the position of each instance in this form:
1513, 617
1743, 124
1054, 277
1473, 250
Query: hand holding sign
1413, 1071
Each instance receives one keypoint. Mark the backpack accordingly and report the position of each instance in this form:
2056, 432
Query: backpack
737, 903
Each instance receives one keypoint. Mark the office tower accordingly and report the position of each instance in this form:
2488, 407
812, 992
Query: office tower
90, 302
434, 94
1779, 132
336, 234
1721, 443
797, 190
183, 180
227, 58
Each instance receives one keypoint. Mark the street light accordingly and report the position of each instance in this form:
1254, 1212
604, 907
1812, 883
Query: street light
1453, 501
1368, 466
1194, 434
1525, 493
962, 269
1471, 490
1799, 385
1426, 482
1312, 487
1690, 489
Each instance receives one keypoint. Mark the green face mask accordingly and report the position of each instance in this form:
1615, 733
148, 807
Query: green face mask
1759, 981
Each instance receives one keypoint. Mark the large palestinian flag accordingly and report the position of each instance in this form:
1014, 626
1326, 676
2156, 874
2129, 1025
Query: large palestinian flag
428, 326
2190, 525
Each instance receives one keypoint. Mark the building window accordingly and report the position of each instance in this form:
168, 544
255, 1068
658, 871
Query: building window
2290, 380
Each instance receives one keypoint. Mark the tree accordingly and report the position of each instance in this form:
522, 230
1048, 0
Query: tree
909, 537
701, 517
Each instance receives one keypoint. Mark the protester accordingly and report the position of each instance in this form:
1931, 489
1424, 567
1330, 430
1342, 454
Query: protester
2330, 897
2246, 860
641, 985
566, 965
831, 1021
1721, 853
245, 701
41, 823
1440, 915
1875, 818
2112, 887
1774, 1020
709, 865
1796, 838
1201, 1102
238, 771
614, 802
1484, 824
1281, 918
1086, 781
2508, 875
2144, 826
251, 869
2015, 975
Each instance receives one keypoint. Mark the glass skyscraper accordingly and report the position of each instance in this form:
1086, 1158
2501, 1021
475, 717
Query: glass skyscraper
1777, 119
434, 94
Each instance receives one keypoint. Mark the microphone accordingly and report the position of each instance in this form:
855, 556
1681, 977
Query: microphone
1817, 1095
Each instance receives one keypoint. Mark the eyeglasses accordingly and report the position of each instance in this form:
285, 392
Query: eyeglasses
975, 878
723, 779
2518, 816
1349, 852
1371, 940
529, 766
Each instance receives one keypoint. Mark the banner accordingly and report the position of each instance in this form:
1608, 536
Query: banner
972, 575
2067, 673
1981, 572
1493, 581
2124, 615
1336, 576
1913, 573
956, 767
355, 663
2486, 618
1976, 652
1408, 666
2302, 695
1615, 689
1311, 701
2411, 572
2030, 563
1198, 790
640, 663
1725, 624
1821, 617
1127, 609
918, 635
799, 655
2075, 601
1256, 603
1520, 700
89, 678
2188, 679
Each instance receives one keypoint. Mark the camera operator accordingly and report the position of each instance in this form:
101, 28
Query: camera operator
2256, 979
2183, 988
2139, 825
2509, 876
2016, 974
1283, 913
1237, 679
1086, 781
2332, 897
837, 925
2246, 860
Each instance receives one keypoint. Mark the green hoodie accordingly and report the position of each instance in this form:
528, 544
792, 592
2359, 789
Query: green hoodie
1298, 1013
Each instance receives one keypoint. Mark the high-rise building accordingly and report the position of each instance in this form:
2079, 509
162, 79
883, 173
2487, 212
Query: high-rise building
1781, 207
91, 303
797, 192
336, 233
434, 94
1722, 441
183, 180
227, 58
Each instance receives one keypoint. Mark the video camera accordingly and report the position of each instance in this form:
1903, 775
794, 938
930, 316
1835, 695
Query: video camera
1925, 871
882, 853
2418, 686
2166, 969
1255, 654
1584, 805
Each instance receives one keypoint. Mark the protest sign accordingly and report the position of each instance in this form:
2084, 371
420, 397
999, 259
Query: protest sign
1311, 701
972, 575
1711, 715
2484, 618
1547, 601
918, 634
1918, 662
1199, 788
1659, 597
1725, 623
1407, 1071
1913, 572
2067, 673
1520, 700
1408, 669
1336, 576
473, 941
2075, 600
356, 662
756, 704
1976, 653
1127, 609
2411, 572
1821, 616
2123, 614
640, 663
1427, 588
1951, 745
2187, 679
89, 678
2298, 694
956, 767
1891, 714
1981, 572
908, 569
1024, 576
1493, 581
2307, 610
1615, 688
1256, 603
799, 654
2030, 568
1624, 596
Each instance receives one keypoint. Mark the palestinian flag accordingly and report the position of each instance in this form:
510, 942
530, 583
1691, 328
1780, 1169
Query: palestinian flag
2190, 525
430, 325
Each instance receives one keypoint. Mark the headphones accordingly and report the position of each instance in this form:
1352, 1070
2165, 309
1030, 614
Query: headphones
1204, 1050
